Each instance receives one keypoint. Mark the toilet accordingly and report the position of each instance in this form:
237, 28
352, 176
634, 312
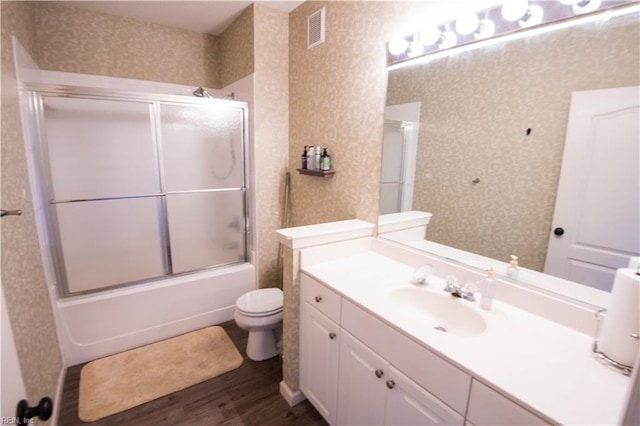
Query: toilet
260, 313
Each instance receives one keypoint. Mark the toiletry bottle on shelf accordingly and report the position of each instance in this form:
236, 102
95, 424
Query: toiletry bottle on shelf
311, 158
304, 159
318, 154
325, 161
489, 290
512, 270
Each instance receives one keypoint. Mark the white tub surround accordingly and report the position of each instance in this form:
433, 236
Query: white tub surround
292, 240
508, 364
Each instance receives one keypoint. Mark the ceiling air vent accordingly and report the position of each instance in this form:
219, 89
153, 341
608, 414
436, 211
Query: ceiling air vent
315, 29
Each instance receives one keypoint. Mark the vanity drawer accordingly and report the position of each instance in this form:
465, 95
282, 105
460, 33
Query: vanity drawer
433, 373
488, 407
320, 297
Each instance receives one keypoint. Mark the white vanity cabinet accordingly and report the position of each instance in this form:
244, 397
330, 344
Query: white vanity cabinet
373, 392
488, 407
319, 346
349, 383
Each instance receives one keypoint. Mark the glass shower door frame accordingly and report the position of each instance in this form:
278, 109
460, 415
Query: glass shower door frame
42, 183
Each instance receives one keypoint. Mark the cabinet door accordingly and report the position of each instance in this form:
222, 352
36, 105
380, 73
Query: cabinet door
409, 404
362, 383
319, 356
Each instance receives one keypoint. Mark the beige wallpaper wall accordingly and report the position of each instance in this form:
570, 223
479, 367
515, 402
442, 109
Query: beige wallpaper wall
476, 108
271, 123
23, 280
237, 48
75, 40
337, 95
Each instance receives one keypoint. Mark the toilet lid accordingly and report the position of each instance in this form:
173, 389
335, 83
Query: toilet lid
264, 300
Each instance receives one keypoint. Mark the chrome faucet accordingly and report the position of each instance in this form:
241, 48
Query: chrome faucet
465, 292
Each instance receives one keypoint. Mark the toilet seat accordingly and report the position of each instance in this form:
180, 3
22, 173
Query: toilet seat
261, 302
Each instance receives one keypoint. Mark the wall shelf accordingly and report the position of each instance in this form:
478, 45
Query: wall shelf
319, 173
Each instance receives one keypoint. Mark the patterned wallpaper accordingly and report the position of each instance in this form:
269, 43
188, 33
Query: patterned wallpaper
237, 48
473, 125
271, 136
75, 40
23, 280
337, 96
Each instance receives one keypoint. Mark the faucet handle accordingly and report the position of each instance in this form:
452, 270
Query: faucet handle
471, 287
421, 274
452, 284
468, 291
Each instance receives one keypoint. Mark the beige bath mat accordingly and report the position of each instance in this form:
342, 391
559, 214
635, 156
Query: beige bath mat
128, 379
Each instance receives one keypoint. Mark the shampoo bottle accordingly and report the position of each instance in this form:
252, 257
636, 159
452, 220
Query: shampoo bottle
318, 154
311, 158
489, 290
304, 159
512, 270
325, 161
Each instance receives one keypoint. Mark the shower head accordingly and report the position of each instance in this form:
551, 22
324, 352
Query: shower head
201, 93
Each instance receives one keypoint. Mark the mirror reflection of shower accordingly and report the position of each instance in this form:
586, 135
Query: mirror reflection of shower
399, 157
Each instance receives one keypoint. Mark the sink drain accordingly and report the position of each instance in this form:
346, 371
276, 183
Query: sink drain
441, 328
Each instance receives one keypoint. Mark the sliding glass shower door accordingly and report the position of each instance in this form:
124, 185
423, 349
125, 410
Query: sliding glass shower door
140, 187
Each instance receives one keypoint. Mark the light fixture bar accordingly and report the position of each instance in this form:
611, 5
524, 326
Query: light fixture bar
556, 15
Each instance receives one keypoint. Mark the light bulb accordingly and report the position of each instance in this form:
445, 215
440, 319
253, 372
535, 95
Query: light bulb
429, 35
586, 6
533, 17
398, 45
486, 29
447, 39
467, 23
513, 10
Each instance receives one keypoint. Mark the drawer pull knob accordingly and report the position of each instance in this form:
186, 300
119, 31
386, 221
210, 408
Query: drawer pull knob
318, 299
332, 335
379, 373
391, 384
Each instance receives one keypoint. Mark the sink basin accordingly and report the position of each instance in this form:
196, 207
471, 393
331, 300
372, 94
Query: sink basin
442, 311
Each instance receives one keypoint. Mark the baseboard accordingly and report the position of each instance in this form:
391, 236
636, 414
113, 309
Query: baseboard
291, 397
57, 399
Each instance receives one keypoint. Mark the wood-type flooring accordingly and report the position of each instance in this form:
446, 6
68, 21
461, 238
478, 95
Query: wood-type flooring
248, 396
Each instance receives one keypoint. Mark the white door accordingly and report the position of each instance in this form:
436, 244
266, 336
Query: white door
362, 384
596, 224
410, 404
12, 388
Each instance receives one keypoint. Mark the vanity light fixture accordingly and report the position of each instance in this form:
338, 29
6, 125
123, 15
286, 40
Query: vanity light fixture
514, 19
514, 10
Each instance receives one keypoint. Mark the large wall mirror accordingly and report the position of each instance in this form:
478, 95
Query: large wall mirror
484, 133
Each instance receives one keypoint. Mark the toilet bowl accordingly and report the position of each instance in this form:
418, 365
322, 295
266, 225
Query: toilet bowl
260, 313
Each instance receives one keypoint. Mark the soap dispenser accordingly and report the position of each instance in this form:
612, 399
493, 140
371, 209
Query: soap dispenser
512, 270
489, 290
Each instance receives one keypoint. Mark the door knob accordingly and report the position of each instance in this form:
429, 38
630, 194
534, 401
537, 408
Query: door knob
379, 373
391, 384
558, 231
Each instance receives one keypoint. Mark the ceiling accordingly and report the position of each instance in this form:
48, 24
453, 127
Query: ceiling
204, 16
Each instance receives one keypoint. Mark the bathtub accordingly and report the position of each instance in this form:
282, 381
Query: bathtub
98, 325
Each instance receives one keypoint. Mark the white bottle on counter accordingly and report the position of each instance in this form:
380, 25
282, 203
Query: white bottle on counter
489, 290
512, 270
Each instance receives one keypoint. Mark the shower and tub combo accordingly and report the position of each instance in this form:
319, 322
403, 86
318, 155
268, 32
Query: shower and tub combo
143, 210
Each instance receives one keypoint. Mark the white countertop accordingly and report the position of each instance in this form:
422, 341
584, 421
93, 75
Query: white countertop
547, 367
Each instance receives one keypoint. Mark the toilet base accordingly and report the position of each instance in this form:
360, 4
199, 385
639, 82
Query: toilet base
262, 344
